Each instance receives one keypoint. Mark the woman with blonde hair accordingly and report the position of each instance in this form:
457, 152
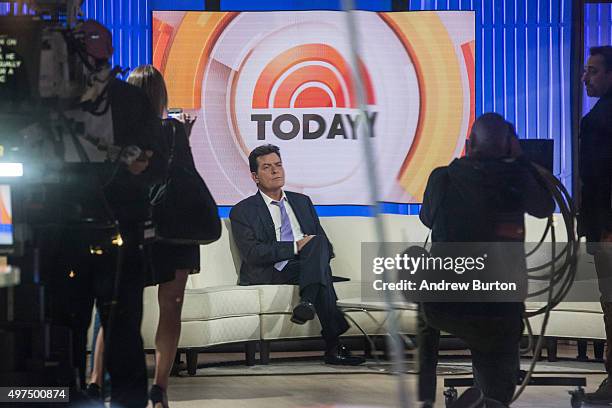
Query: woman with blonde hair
171, 264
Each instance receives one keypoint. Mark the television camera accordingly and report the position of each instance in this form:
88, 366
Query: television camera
52, 169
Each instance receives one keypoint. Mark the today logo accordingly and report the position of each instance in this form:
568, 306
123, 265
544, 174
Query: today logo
306, 78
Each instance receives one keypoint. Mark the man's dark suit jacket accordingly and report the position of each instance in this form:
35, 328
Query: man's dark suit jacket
254, 234
596, 170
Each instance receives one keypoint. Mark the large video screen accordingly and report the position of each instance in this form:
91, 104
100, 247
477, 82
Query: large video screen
285, 78
6, 216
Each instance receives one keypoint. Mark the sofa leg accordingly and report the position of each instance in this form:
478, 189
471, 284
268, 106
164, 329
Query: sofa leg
551, 349
367, 348
264, 352
249, 352
386, 353
598, 349
176, 366
582, 350
192, 361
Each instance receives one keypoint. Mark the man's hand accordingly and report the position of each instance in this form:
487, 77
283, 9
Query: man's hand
302, 242
139, 165
188, 122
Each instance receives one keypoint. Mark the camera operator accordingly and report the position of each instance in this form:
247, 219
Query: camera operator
481, 198
96, 262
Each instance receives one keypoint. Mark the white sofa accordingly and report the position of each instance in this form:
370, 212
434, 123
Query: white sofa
218, 311
570, 320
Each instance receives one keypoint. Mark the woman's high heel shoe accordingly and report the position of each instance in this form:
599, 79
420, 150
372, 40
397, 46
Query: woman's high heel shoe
158, 396
93, 391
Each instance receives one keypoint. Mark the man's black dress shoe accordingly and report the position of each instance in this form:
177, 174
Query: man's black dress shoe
303, 312
341, 355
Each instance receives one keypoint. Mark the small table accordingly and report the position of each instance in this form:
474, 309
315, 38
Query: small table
360, 305
374, 306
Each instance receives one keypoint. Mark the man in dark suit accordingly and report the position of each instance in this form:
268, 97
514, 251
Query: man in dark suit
281, 241
595, 165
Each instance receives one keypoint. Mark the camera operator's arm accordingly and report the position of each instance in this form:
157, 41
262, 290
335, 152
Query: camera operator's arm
433, 196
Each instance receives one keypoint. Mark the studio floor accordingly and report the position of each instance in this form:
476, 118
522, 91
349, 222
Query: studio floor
344, 390
302, 380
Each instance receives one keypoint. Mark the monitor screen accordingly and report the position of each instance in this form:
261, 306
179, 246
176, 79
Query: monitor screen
6, 217
539, 151
19, 58
286, 78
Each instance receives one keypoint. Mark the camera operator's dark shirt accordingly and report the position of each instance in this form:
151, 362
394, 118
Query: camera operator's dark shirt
596, 170
483, 201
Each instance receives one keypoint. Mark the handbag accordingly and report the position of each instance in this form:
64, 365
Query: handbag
184, 210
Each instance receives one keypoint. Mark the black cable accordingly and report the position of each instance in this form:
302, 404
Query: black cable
538, 349
563, 275
566, 272
529, 337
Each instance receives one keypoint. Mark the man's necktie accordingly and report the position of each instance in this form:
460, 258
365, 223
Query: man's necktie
286, 232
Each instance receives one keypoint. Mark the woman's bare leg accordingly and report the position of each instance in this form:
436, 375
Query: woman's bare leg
97, 374
170, 297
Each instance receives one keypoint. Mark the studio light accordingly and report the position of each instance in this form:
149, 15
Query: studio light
11, 169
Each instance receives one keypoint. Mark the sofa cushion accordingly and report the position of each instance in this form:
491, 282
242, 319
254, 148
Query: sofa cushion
277, 298
220, 301
279, 326
282, 298
582, 307
575, 325
206, 333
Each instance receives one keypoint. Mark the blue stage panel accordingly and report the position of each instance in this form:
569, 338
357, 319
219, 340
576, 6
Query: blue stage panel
351, 210
597, 31
177, 4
